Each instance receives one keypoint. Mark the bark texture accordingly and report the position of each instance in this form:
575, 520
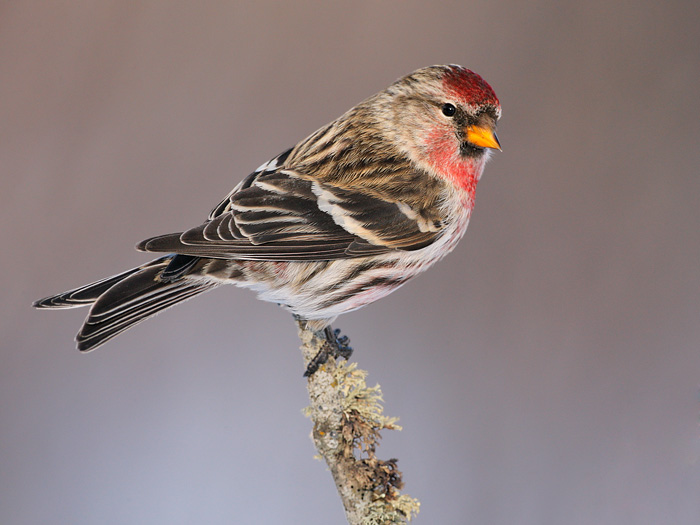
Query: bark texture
347, 419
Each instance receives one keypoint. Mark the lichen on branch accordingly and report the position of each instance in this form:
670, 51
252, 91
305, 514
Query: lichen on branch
348, 417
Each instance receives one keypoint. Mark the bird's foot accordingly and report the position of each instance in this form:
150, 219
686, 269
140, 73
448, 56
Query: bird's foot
334, 345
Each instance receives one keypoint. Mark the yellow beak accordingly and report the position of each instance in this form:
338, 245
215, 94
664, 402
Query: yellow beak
483, 137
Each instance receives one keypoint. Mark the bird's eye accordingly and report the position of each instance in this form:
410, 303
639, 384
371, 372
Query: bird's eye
449, 110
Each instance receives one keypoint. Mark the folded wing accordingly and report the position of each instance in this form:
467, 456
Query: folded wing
278, 215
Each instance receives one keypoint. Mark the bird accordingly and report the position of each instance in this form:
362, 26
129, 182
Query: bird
343, 218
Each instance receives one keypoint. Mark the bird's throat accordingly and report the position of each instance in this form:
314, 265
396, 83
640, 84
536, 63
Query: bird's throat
452, 164
460, 171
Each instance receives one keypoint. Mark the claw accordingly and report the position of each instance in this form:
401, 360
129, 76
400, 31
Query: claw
335, 345
342, 345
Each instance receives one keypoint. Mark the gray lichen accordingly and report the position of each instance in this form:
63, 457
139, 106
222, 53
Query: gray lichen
348, 417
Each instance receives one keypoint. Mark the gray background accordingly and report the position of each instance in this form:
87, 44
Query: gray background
546, 372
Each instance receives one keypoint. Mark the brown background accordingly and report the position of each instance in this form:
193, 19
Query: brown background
546, 372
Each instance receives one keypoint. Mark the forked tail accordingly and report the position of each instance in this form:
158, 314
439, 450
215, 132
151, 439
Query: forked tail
124, 300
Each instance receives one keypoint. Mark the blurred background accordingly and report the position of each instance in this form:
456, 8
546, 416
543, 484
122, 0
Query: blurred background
546, 372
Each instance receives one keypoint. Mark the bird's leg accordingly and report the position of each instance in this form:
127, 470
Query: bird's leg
334, 345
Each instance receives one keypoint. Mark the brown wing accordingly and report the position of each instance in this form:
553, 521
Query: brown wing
277, 215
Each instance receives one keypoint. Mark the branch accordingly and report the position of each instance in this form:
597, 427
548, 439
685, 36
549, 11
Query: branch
347, 418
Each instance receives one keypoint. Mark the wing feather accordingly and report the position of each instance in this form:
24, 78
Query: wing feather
278, 214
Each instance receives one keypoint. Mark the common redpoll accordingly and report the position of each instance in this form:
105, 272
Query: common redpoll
338, 221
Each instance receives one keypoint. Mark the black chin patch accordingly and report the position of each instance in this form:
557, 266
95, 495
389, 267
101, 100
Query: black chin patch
467, 149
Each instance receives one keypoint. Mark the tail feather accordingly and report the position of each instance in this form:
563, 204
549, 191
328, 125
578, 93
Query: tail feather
97, 330
84, 295
122, 301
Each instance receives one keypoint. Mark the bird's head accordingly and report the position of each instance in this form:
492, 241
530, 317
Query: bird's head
446, 120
